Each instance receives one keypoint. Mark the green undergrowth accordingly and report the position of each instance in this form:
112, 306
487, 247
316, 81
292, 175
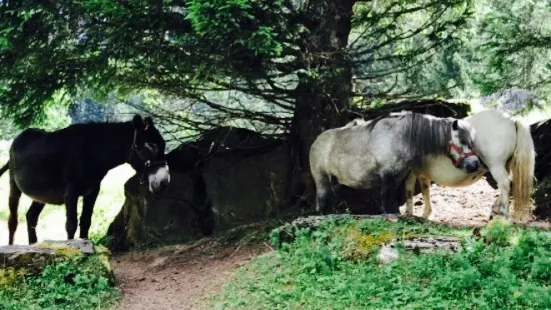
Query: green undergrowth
80, 282
336, 267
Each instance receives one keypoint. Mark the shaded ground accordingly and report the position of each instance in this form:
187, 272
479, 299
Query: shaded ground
183, 277
179, 277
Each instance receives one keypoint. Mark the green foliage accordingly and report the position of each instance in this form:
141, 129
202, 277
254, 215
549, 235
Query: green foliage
417, 62
238, 25
76, 283
9, 276
55, 118
51, 54
511, 44
313, 272
245, 58
498, 232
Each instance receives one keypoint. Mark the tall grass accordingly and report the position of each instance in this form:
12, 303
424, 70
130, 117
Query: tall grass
508, 268
51, 224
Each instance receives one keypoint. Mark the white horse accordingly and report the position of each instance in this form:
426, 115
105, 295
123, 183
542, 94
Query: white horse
503, 146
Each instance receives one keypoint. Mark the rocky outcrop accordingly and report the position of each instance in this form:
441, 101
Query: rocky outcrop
541, 135
436, 107
245, 189
179, 214
419, 245
229, 177
31, 259
234, 176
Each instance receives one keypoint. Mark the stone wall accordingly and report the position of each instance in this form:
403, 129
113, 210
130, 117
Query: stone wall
235, 176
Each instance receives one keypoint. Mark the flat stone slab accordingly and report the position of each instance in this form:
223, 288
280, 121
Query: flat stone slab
83, 245
36, 255
419, 245
286, 232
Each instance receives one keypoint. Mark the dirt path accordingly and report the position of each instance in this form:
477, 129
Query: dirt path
179, 277
183, 277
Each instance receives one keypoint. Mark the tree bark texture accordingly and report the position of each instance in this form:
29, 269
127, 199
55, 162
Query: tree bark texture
324, 89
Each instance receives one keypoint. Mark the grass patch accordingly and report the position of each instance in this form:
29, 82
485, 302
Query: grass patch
76, 283
505, 268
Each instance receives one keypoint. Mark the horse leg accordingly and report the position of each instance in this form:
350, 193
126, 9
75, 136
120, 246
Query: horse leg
32, 220
71, 199
425, 190
388, 187
88, 203
410, 187
322, 197
323, 189
13, 202
501, 206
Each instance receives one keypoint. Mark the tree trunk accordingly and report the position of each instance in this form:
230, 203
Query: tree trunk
324, 89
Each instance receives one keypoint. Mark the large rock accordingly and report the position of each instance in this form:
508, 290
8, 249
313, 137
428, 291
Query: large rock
192, 156
246, 189
436, 107
510, 100
31, 259
179, 214
541, 135
234, 176
228, 177
431, 244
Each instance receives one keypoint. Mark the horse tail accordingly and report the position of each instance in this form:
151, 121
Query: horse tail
5, 168
522, 165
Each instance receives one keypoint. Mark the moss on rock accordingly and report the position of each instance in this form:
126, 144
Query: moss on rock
31, 259
60, 249
359, 244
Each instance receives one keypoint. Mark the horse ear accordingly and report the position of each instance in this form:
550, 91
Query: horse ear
455, 125
148, 122
138, 122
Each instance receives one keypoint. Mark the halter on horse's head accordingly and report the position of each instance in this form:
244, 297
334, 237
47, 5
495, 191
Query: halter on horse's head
461, 149
147, 154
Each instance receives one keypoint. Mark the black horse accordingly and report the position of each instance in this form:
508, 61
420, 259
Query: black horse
58, 167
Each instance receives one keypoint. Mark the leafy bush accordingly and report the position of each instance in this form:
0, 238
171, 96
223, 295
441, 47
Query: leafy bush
505, 268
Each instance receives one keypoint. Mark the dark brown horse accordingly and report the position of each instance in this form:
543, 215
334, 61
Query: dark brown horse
58, 167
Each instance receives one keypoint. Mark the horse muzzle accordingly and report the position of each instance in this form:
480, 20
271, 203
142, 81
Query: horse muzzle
159, 180
469, 164
472, 165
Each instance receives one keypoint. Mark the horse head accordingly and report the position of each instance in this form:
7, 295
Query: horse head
461, 150
147, 154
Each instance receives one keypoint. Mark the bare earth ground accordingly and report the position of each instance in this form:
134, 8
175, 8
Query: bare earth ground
180, 277
183, 277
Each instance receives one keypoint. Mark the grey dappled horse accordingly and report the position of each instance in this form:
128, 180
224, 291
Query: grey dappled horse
384, 151
58, 167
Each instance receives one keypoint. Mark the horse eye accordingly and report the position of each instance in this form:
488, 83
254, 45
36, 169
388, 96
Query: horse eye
150, 146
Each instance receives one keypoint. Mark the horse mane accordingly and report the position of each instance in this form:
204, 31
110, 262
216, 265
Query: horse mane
95, 128
428, 134
425, 134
